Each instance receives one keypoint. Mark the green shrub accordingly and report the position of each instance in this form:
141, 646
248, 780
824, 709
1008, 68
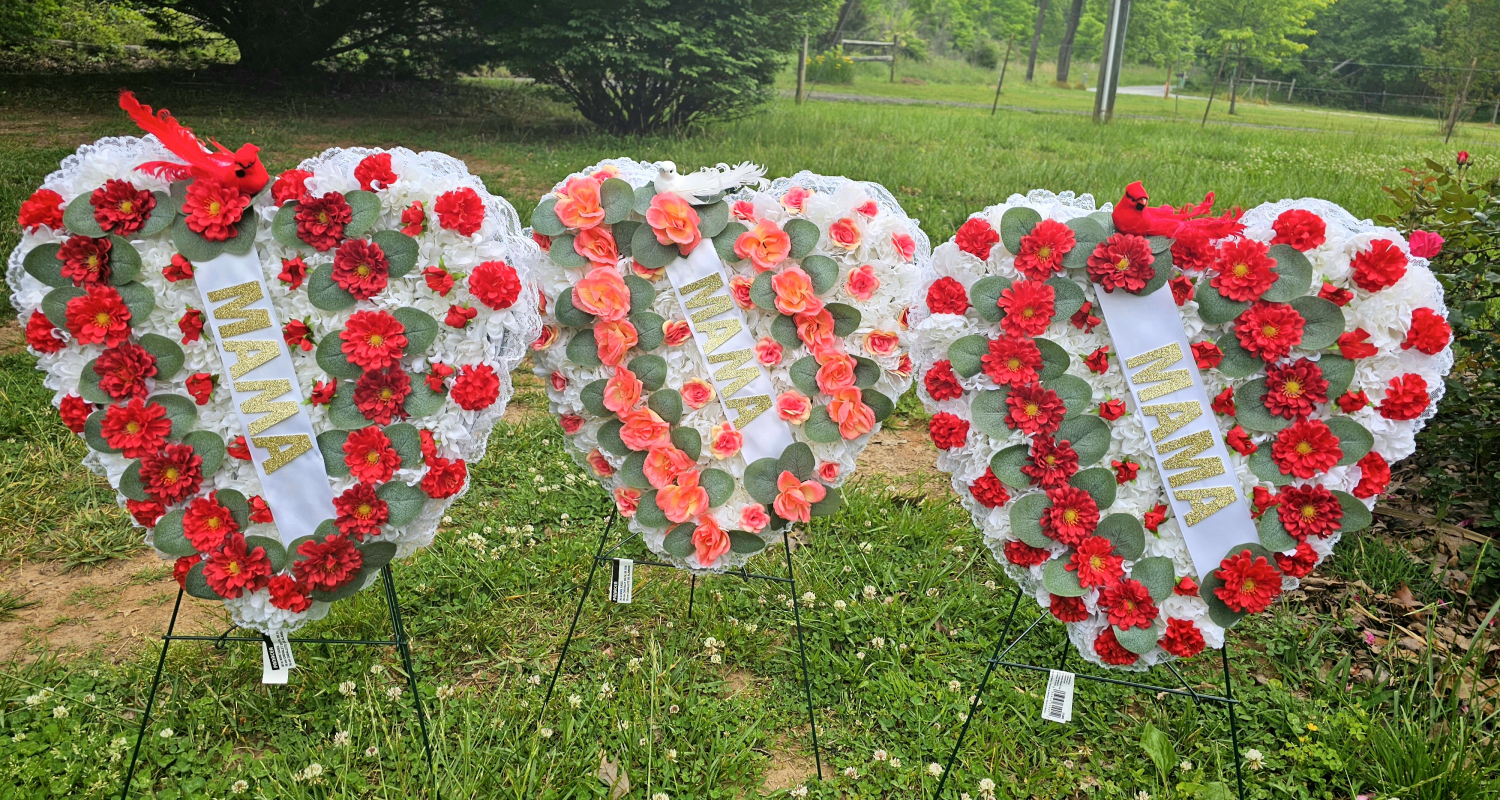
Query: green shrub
986, 54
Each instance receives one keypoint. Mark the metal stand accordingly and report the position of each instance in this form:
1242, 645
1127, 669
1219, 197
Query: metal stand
398, 640
601, 556
1002, 649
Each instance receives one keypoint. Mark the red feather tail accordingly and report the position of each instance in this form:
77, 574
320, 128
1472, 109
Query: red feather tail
170, 170
173, 135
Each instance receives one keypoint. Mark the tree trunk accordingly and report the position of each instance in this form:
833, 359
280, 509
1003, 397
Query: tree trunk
1234, 80
1036, 38
1065, 50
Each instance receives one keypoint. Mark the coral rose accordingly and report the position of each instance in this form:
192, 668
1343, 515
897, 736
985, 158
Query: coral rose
766, 245
674, 222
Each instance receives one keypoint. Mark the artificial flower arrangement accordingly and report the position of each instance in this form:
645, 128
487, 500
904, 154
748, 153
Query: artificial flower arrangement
378, 306
1321, 339
718, 356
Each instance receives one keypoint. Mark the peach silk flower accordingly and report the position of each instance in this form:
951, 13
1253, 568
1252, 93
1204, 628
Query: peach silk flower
793, 406
603, 293
674, 221
795, 199
862, 282
622, 391
664, 464
644, 430
836, 373
578, 203
881, 343
613, 339
765, 245
845, 234
725, 440
848, 409
709, 540
598, 246
627, 500
796, 498
794, 292
754, 518
683, 500
697, 393
815, 329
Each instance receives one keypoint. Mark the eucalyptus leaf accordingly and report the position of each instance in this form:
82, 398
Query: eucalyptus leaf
1238, 362
821, 428
331, 359
78, 217
41, 262
1059, 580
1250, 408
1323, 322
544, 218
124, 261
331, 445
365, 212
1215, 308
616, 198
1293, 274
141, 301
989, 414
650, 370
1007, 465
966, 355
719, 485
324, 293
1354, 439
421, 330
1016, 223
1026, 519
985, 295
400, 250
1126, 533
760, 480
804, 235
404, 501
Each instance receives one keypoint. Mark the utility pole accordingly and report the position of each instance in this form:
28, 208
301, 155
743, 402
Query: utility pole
1215, 87
1036, 38
1003, 65
1234, 80
1109, 62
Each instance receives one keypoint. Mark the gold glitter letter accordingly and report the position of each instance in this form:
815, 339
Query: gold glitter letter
1170, 417
1205, 502
1198, 468
250, 353
262, 403
718, 332
710, 305
734, 372
749, 408
240, 295
282, 448
1156, 361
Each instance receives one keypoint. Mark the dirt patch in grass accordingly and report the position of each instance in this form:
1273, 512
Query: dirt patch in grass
907, 456
789, 767
111, 609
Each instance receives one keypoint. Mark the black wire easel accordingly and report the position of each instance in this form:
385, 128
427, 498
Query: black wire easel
1002, 649
398, 640
603, 557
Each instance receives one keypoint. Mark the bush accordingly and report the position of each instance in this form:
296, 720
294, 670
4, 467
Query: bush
830, 67
1457, 458
986, 54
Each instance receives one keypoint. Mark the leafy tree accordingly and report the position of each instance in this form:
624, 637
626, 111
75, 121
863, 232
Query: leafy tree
636, 66
22, 23
1163, 33
1259, 31
1467, 40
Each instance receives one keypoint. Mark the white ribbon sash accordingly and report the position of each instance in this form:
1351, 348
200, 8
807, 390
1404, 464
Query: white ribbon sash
1172, 404
257, 369
741, 383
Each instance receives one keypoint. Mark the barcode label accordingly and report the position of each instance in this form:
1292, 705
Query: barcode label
622, 580
276, 658
1057, 703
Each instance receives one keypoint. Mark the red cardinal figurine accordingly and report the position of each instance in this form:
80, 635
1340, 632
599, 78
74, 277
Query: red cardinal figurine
240, 168
1132, 215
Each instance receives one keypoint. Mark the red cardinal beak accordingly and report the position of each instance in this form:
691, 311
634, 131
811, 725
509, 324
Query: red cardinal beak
1136, 195
251, 173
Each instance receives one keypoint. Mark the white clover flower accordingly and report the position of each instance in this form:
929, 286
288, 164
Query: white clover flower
1254, 759
341, 739
1185, 766
869, 592
634, 665
672, 755
606, 691
347, 688
798, 792
852, 773
575, 701
879, 755
809, 598
445, 692
59, 712
313, 770
535, 680
239, 787
866, 548
166, 733
935, 769
878, 642
394, 692
860, 655
954, 686
660, 796
840, 605
895, 763
372, 751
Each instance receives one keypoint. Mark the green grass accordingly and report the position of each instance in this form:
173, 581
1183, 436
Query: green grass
488, 604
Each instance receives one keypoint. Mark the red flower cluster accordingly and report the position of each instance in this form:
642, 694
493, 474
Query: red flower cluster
1335, 295
361, 268
942, 383
1067, 609
1380, 266
327, 565
947, 430
1034, 409
1129, 604
373, 339
1250, 582
460, 211
289, 185
43, 209
42, 335
1295, 390
1024, 555
123, 370
1182, 639
1429, 332
495, 284
1375, 476
293, 272
1123, 261
989, 491
1051, 463
976, 237
1110, 651
1012, 361
321, 220
288, 594
1309, 510
120, 208
1072, 516
1405, 397
85, 260
374, 172
1243, 270
1028, 306
1096, 563
1306, 449
947, 296
379, 393
213, 209
1301, 229
476, 387
360, 512
1355, 344
1269, 330
1207, 355
1043, 249
205, 523
74, 412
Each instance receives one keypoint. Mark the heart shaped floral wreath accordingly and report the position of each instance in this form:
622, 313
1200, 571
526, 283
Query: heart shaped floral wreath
717, 359
105, 276
1322, 340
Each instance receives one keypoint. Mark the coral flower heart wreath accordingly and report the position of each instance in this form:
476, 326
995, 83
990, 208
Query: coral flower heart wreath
1162, 420
718, 361
258, 366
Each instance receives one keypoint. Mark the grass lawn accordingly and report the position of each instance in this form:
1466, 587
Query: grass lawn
1350, 686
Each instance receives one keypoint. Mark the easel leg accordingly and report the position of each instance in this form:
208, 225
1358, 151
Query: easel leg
583, 595
1234, 730
692, 593
161, 664
978, 695
812, 722
398, 631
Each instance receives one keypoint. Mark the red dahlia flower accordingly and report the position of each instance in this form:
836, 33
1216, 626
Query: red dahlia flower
146, 513
213, 209
1405, 397
1295, 390
976, 237
123, 370
1429, 332
1309, 510
43, 209
988, 491
85, 260
1123, 261
1301, 229
361, 268
1043, 249
1068, 609
379, 393
42, 336
321, 220
1052, 463
1034, 409
1096, 563
369, 455
948, 430
444, 478
1182, 639
1072, 516
495, 284
231, 570
205, 523
120, 208
947, 296
327, 565
1193, 252
98, 317
360, 512
1250, 582
1243, 270
460, 211
1029, 308
1380, 266
476, 387
135, 429
1269, 330
1129, 604
172, 475
1012, 361
288, 595
373, 339
1110, 651
1306, 449
1024, 555
1375, 476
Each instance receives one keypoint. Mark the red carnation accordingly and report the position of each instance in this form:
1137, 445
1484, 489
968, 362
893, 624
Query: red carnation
1429, 332
495, 284
1207, 355
327, 565
1155, 517
85, 260
1186, 587
1269, 330
1243, 270
947, 296
1192, 251
1182, 639
1380, 266
1405, 397
438, 374
123, 370
379, 393
293, 272
439, 280
976, 237
75, 411
1012, 361
1295, 390
1084, 319
1052, 463
1072, 516
1374, 476
1024, 555
1183, 289
414, 219
191, 325
182, 566
260, 510
205, 523
1250, 582
1096, 563
1028, 306
180, 269
1309, 510
460, 211
231, 570
322, 393
988, 491
1110, 651
476, 387
1125, 471
146, 513
444, 478
369, 455
120, 208
1068, 609
361, 268
374, 172
98, 317
1098, 361
360, 512
1356, 344
1239, 440
42, 336
1123, 261
1300, 563
947, 430
201, 386
289, 185
1306, 449
239, 449
1350, 402
1034, 409
1129, 604
298, 336
1335, 295
941, 382
135, 429
288, 595
459, 316
172, 475
43, 209
213, 209
1112, 410
1223, 402
321, 220
1043, 249
373, 339
1303, 230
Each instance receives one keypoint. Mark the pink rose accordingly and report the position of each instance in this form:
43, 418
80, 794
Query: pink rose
828, 471
724, 440
664, 464
739, 286
744, 210
676, 331
862, 283
768, 351
794, 292
854, 418
766, 245
603, 293
627, 500
600, 464
836, 372
816, 330
882, 343
754, 518
795, 498
623, 390
868, 208
709, 540
571, 423
845, 233
697, 393
674, 222
793, 406
597, 245
905, 245
578, 203
644, 430
613, 339
1424, 244
683, 500
559, 382
795, 199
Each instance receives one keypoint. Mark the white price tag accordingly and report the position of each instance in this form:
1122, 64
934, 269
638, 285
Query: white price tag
622, 580
276, 658
1057, 703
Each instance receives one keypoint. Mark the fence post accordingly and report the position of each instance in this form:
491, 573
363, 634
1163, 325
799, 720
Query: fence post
1495, 113
1003, 65
1289, 91
895, 45
801, 69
